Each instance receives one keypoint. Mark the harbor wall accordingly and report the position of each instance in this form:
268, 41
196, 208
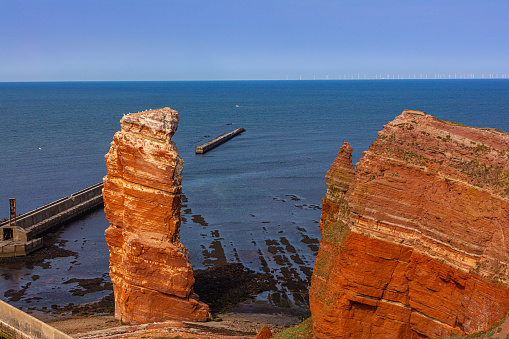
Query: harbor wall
17, 324
35, 223
20, 249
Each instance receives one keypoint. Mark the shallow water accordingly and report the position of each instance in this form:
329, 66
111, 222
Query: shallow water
41, 284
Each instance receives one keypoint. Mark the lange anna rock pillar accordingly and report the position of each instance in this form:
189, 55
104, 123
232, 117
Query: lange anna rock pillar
149, 266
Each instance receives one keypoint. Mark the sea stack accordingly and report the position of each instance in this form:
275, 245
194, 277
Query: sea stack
149, 266
414, 238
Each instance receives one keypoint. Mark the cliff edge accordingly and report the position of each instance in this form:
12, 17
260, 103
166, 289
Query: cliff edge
414, 238
149, 266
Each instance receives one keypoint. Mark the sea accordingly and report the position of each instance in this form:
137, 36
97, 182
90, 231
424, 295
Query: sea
255, 199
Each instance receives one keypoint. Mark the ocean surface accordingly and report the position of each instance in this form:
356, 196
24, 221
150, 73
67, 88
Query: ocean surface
255, 199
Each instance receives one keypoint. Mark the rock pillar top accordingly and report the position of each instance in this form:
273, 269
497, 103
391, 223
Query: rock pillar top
159, 123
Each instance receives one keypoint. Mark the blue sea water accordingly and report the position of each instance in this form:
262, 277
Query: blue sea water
255, 199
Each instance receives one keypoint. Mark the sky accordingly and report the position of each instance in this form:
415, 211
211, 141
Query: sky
156, 40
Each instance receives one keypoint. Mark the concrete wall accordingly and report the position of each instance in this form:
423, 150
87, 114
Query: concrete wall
19, 249
18, 233
18, 324
204, 148
38, 221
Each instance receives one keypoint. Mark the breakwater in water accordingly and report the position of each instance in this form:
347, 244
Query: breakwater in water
204, 148
24, 236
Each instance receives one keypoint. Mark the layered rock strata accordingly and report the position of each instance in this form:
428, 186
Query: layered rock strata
149, 266
414, 238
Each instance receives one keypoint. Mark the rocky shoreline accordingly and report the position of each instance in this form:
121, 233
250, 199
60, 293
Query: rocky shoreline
241, 302
230, 291
230, 325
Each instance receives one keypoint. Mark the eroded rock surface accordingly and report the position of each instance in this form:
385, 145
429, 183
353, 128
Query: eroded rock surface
414, 238
149, 267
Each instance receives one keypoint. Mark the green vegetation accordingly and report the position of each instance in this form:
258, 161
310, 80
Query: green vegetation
336, 232
391, 137
471, 336
334, 193
4, 336
411, 157
374, 176
484, 175
446, 139
405, 126
323, 267
489, 334
304, 330
498, 273
451, 123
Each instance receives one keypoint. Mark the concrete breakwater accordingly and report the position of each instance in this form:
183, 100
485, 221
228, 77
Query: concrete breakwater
203, 148
25, 236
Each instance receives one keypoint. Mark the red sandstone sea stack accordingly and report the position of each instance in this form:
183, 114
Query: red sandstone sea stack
149, 266
414, 238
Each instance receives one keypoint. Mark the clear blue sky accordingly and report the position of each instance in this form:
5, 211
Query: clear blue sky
53, 40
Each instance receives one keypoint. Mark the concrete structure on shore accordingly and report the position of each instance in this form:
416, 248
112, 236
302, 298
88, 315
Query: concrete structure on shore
25, 234
203, 148
17, 324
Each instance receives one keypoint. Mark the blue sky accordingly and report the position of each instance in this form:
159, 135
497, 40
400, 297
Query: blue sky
62, 40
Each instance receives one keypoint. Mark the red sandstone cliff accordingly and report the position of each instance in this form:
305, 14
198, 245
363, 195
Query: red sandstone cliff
149, 267
413, 240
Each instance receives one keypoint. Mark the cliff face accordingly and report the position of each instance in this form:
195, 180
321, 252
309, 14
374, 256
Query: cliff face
149, 267
414, 239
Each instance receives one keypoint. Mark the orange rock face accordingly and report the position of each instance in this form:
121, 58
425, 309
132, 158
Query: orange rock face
413, 239
149, 267
264, 333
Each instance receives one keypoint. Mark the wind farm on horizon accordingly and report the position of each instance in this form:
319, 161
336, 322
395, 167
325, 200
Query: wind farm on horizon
392, 76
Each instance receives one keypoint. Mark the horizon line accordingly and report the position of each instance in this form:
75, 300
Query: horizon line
225, 80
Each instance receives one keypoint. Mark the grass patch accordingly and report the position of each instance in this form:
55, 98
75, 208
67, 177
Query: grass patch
451, 123
494, 330
304, 330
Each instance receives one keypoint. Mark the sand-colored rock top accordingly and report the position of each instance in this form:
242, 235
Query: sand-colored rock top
158, 123
408, 112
